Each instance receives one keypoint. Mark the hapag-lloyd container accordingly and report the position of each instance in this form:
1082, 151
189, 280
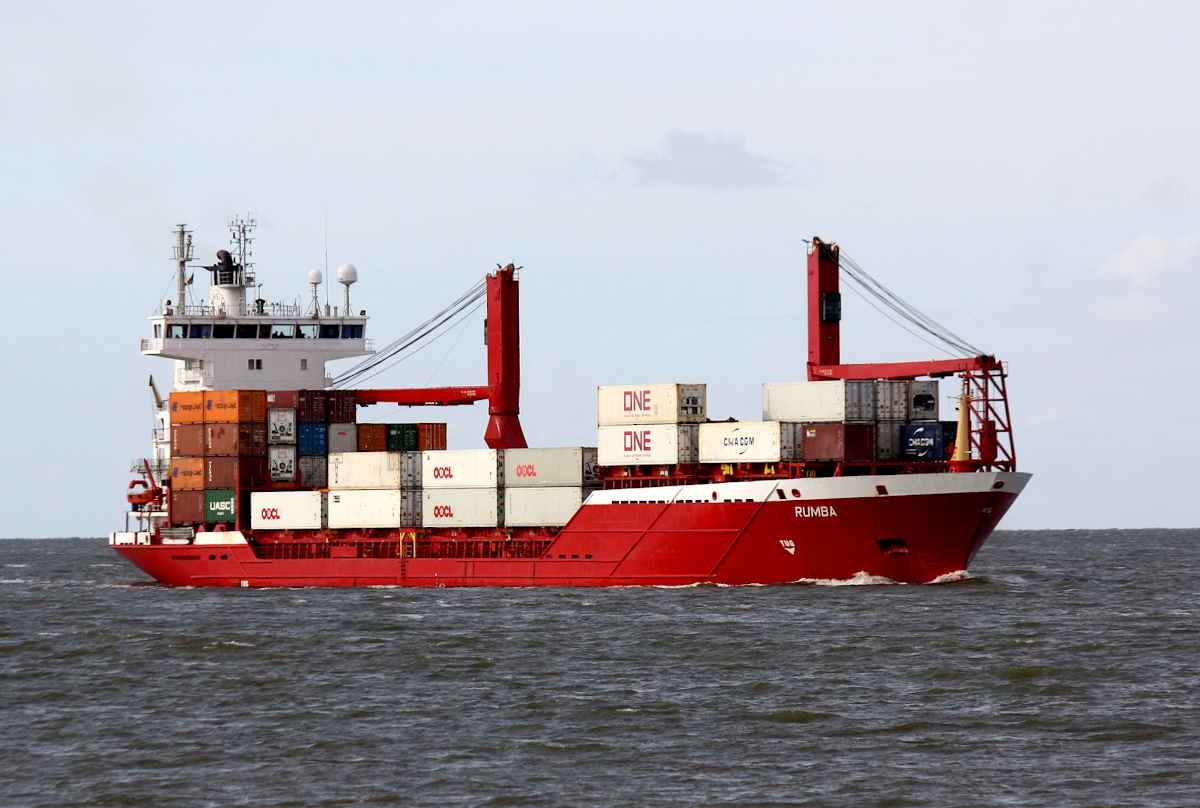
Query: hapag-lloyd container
187, 440
312, 471
462, 507
342, 437
651, 404
839, 442
749, 442
891, 401
187, 407
542, 507
187, 474
375, 508
281, 426
463, 468
374, 470
235, 406
187, 507
646, 444
220, 505
287, 510
283, 463
819, 402
235, 440
540, 468
923, 399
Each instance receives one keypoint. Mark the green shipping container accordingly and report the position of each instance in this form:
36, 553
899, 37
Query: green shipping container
402, 438
220, 505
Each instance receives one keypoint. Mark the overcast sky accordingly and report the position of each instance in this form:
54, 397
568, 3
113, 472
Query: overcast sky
1027, 174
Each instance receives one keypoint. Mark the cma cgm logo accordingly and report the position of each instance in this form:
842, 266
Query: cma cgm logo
270, 513
442, 473
527, 471
443, 512
637, 441
637, 400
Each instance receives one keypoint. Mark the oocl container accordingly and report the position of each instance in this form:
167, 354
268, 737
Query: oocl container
312, 438
187, 440
923, 399
651, 404
342, 437
462, 507
283, 463
542, 507
374, 508
187, 507
187, 474
234, 440
891, 401
187, 407
854, 442
288, 510
819, 402
748, 442
235, 472
462, 468
539, 468
235, 406
647, 444
281, 426
220, 505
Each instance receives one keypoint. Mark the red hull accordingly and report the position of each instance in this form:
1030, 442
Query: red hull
907, 528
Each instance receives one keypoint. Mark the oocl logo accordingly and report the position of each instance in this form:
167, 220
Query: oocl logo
527, 471
270, 513
443, 512
442, 473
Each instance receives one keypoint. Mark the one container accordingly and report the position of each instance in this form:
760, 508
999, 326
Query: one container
220, 505
235, 406
819, 402
312, 471
375, 508
431, 437
891, 401
341, 406
646, 444
187, 440
540, 468
889, 444
187, 507
187, 474
283, 463
187, 407
854, 442
281, 426
542, 507
235, 440
372, 437
651, 404
462, 468
312, 438
349, 470
462, 507
342, 438
288, 510
923, 442
235, 472
747, 442
923, 400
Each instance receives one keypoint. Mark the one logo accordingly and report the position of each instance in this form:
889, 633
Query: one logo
788, 545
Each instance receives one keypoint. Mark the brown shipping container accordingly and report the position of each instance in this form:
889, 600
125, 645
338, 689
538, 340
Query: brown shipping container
310, 407
855, 441
187, 408
341, 407
282, 399
372, 437
235, 440
431, 437
235, 406
187, 474
187, 507
235, 472
187, 440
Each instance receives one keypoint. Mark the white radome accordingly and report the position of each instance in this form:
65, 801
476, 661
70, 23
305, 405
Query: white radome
315, 277
347, 274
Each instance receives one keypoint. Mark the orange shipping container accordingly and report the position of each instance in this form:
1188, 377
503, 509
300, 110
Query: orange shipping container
235, 407
187, 473
187, 408
431, 437
372, 437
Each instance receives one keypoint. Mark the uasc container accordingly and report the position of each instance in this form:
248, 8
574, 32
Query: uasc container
375, 508
819, 402
462, 468
647, 444
854, 442
235, 406
235, 440
187, 407
542, 507
651, 404
539, 468
462, 507
748, 442
281, 426
187, 474
220, 505
288, 510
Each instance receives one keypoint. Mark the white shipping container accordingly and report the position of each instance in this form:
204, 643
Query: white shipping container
746, 442
342, 438
891, 401
283, 463
463, 468
542, 507
831, 402
540, 468
365, 470
288, 510
462, 507
281, 426
651, 404
377, 507
924, 397
410, 470
888, 444
647, 444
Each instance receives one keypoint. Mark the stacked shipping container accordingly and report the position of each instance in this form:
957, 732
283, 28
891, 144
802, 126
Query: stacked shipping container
652, 424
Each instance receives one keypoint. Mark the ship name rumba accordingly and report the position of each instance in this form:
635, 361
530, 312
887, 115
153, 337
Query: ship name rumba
815, 510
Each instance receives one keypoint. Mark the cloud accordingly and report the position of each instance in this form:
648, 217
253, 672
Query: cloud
1150, 256
713, 161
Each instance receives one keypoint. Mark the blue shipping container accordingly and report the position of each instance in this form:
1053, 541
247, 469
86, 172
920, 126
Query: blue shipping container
922, 442
312, 439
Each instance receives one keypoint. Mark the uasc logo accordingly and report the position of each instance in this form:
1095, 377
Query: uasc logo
442, 473
270, 513
443, 512
526, 471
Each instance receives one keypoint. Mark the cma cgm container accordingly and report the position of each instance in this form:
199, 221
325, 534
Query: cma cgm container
839, 442
187, 474
923, 399
462, 468
187, 440
749, 442
288, 510
187, 408
220, 505
187, 507
312, 471
311, 438
540, 468
374, 470
542, 507
342, 437
647, 444
652, 404
235, 472
281, 426
829, 402
375, 508
235, 406
462, 507
235, 440
891, 401
283, 463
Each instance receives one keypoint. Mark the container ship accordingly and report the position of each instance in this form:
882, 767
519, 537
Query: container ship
267, 471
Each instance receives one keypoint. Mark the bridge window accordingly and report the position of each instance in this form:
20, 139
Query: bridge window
309, 331
264, 331
330, 331
247, 331
283, 331
223, 331
352, 332
197, 331
157, 330
176, 331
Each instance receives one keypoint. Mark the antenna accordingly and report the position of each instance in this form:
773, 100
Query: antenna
346, 276
315, 279
182, 254
326, 254
240, 239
